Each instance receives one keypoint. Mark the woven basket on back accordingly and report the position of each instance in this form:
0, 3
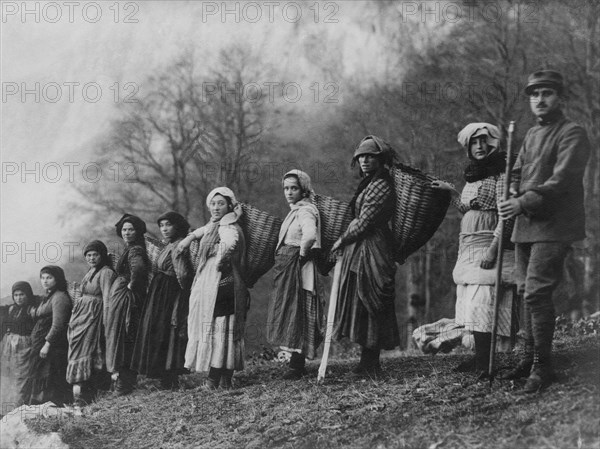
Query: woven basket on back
153, 248
261, 231
419, 210
74, 290
335, 217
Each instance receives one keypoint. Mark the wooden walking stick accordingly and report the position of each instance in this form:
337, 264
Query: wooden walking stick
335, 288
498, 288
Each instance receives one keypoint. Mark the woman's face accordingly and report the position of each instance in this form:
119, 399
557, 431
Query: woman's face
19, 297
92, 258
218, 207
369, 163
292, 190
166, 229
128, 233
48, 281
479, 148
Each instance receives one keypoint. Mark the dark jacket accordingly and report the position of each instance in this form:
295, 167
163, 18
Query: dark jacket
551, 163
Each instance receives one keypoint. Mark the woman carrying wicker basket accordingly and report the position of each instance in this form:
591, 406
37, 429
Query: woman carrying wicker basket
162, 337
127, 297
365, 308
219, 298
478, 241
86, 332
295, 311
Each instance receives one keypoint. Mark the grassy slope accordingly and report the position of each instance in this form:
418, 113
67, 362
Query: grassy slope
421, 403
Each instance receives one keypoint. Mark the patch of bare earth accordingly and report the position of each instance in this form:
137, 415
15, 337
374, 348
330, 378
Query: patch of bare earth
420, 403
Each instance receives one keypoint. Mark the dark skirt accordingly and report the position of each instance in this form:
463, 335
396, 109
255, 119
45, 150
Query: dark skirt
365, 311
295, 316
122, 326
162, 336
48, 376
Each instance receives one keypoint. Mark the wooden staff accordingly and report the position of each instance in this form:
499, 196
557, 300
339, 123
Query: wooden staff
498, 288
335, 288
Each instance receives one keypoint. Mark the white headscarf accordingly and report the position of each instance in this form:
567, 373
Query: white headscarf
223, 191
303, 179
480, 129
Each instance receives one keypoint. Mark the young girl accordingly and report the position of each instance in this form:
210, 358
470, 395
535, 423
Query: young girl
219, 298
295, 311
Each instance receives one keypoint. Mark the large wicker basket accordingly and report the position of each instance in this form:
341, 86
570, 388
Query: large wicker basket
153, 247
335, 217
74, 290
261, 231
420, 209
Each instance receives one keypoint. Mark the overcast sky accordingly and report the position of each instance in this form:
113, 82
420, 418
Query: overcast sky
65, 66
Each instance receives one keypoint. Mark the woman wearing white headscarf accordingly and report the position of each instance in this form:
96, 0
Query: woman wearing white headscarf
478, 241
295, 315
219, 298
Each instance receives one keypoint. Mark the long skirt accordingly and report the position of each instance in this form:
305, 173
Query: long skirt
226, 352
48, 375
211, 339
365, 311
475, 285
122, 326
15, 358
475, 308
85, 339
162, 337
295, 315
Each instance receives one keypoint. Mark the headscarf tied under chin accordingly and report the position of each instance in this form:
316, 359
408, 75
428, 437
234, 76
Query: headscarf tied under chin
211, 236
494, 163
303, 180
59, 276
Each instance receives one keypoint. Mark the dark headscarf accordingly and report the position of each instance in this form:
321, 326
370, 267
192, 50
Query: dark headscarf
178, 221
138, 224
386, 155
100, 248
24, 287
58, 274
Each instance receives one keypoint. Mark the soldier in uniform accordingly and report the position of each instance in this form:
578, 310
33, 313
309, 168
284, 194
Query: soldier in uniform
549, 210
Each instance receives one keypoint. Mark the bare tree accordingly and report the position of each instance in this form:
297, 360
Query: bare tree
189, 133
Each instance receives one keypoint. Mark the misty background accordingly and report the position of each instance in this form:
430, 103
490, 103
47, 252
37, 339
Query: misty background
141, 107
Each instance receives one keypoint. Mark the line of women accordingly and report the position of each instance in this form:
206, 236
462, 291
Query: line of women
188, 320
